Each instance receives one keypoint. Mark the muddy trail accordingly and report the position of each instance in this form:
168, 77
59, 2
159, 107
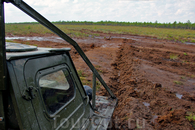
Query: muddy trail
145, 101
154, 80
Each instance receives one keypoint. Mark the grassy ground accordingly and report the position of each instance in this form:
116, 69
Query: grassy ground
183, 35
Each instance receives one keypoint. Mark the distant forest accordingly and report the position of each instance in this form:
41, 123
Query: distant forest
176, 25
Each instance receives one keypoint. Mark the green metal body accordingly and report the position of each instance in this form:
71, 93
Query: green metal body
29, 112
2, 49
29, 101
2, 66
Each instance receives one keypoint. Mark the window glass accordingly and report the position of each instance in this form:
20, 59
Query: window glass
57, 89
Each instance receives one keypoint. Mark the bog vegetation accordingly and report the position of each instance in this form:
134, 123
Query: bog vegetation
183, 32
177, 25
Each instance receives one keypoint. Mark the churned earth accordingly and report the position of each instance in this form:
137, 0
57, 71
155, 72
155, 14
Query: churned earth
153, 79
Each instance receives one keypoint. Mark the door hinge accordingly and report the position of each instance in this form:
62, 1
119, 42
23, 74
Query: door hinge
29, 93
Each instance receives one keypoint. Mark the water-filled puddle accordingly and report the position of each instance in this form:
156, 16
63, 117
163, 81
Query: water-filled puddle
189, 43
114, 37
146, 104
137, 90
52, 39
153, 119
179, 96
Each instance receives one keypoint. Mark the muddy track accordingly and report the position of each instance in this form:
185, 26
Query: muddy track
153, 79
142, 100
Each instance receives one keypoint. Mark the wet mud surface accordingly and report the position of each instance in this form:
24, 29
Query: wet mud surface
154, 80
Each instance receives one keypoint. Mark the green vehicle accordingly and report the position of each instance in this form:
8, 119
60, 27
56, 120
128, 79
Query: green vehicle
40, 88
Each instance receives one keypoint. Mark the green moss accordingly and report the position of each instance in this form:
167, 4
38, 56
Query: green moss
173, 57
178, 82
9, 40
193, 41
191, 118
80, 73
83, 78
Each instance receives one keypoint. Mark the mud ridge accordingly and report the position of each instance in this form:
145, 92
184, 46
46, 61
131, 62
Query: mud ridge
142, 100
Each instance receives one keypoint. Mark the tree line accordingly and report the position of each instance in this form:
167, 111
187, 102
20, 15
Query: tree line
179, 25
156, 24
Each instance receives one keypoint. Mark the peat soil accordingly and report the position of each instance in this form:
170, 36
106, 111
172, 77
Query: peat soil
153, 79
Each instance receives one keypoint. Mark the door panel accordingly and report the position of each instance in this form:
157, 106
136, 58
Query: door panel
24, 109
55, 104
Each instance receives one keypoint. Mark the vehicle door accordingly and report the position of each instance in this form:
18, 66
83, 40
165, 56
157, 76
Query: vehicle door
59, 100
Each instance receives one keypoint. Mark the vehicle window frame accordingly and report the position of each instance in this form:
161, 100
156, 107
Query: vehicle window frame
44, 72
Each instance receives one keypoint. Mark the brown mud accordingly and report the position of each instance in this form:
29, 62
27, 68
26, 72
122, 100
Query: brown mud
154, 80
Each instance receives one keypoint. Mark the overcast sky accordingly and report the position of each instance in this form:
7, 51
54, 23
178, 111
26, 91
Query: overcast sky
113, 10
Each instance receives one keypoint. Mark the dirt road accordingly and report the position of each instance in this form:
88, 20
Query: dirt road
153, 79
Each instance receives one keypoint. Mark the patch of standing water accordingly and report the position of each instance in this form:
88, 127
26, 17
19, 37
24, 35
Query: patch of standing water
189, 43
99, 37
119, 73
146, 104
136, 39
179, 96
111, 45
52, 39
153, 119
137, 90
